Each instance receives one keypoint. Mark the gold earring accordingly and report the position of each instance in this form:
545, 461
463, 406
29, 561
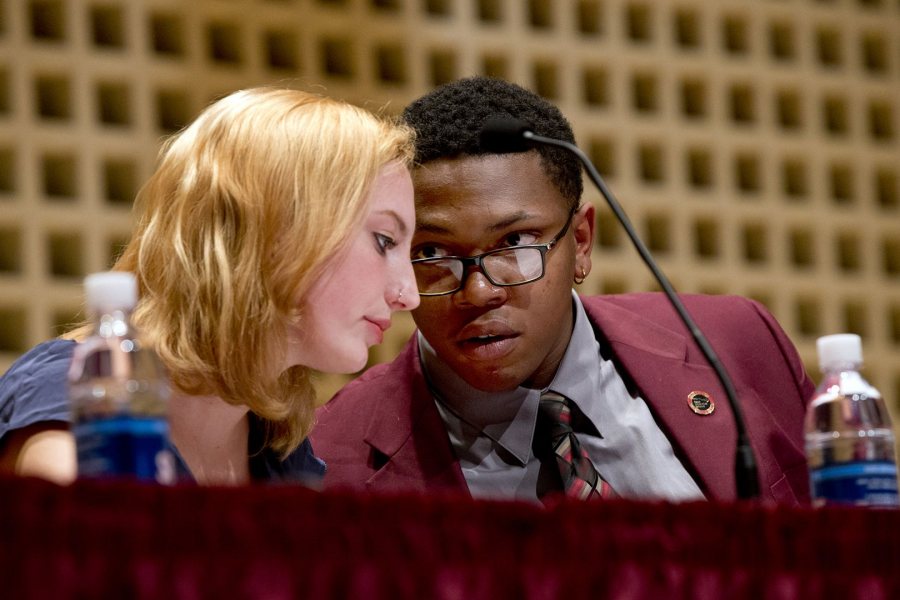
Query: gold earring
579, 281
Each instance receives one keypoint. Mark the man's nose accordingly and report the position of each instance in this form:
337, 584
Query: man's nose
477, 290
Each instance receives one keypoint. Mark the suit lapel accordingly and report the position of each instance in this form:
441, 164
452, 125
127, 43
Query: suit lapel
658, 363
661, 364
407, 431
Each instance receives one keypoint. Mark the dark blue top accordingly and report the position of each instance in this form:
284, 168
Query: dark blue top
35, 390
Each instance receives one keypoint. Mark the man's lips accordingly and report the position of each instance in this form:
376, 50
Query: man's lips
485, 332
487, 340
487, 347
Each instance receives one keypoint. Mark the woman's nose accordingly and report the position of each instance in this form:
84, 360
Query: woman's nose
407, 295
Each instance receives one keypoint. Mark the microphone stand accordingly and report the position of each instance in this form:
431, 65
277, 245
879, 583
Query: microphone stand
744, 462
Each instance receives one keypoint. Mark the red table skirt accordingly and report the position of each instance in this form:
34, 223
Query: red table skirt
124, 540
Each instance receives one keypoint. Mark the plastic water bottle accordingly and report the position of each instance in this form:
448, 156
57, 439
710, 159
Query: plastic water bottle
118, 391
849, 438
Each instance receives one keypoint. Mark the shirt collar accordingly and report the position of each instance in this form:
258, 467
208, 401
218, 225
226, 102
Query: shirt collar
577, 377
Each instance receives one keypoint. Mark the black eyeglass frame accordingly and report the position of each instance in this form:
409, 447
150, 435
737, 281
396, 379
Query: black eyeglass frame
478, 261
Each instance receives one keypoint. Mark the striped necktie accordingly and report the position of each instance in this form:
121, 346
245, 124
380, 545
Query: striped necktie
579, 477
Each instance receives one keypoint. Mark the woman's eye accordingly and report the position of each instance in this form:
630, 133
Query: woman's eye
384, 242
520, 239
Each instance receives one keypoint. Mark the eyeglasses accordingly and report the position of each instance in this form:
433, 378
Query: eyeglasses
504, 267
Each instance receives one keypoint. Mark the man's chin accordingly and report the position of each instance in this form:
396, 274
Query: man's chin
491, 382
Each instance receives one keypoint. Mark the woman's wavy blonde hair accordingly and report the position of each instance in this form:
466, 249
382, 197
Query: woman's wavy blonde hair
242, 215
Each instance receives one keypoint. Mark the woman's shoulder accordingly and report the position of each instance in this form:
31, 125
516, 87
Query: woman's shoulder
34, 388
304, 464
52, 356
299, 466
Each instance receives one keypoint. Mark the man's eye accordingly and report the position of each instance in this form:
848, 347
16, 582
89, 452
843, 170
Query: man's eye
428, 252
520, 239
384, 242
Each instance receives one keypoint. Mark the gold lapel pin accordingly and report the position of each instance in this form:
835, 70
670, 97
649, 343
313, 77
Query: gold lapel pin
701, 403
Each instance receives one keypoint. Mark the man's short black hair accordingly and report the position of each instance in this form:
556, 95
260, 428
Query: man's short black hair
448, 122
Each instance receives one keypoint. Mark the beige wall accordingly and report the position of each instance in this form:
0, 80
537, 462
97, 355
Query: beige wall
755, 145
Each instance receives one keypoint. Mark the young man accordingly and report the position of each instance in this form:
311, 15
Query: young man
499, 241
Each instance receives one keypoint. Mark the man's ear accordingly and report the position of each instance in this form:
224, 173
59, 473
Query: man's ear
583, 227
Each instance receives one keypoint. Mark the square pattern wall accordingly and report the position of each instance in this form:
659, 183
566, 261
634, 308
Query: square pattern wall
755, 145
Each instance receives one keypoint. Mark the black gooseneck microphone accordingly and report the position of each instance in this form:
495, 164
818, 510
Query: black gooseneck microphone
506, 134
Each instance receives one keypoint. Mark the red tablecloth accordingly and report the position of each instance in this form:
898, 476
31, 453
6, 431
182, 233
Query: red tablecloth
123, 540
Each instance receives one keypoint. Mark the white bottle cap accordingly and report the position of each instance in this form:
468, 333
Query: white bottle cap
110, 290
839, 350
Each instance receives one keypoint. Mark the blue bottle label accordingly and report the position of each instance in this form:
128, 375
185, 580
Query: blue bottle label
125, 446
861, 483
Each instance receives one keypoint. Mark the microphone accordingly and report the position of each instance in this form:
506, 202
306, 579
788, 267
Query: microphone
507, 134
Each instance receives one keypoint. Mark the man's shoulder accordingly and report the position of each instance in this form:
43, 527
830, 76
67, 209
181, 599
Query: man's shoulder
712, 310
642, 300
384, 376
378, 386
732, 321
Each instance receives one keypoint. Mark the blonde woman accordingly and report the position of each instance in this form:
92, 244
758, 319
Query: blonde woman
272, 240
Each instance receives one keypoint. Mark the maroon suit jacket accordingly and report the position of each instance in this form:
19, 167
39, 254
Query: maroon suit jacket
382, 431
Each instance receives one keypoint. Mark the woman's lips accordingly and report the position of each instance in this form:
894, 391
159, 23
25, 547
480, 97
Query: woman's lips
378, 327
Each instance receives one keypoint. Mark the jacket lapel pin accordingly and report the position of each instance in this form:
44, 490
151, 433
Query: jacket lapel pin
701, 402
